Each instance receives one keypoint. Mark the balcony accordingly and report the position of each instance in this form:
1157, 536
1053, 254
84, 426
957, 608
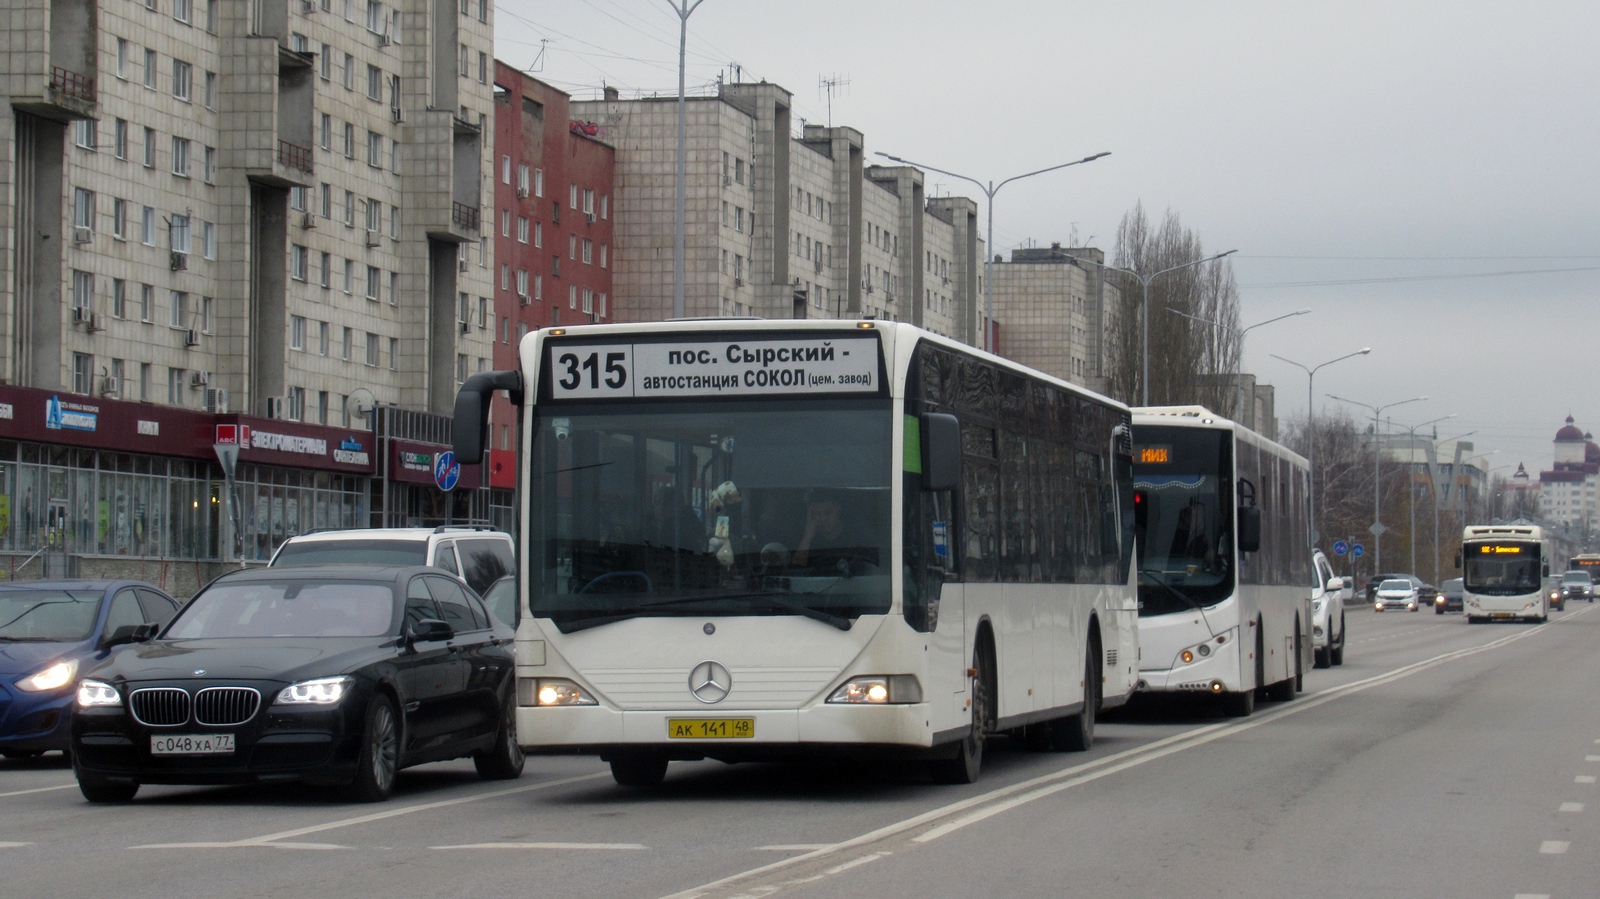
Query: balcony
273, 93
465, 216
295, 156
53, 73
443, 170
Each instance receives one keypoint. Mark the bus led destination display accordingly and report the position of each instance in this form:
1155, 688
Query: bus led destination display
802, 366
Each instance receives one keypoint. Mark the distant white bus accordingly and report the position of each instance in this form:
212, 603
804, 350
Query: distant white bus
1503, 572
756, 540
1224, 559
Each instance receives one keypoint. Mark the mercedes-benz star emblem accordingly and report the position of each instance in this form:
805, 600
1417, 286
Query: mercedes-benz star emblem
710, 682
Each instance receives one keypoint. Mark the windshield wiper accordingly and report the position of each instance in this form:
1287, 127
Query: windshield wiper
644, 609
1155, 578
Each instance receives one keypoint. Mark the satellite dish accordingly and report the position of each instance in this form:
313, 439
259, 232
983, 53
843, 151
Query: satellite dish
362, 402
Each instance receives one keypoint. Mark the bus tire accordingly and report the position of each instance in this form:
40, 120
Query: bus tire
639, 770
1239, 705
1320, 657
965, 766
1299, 660
1075, 733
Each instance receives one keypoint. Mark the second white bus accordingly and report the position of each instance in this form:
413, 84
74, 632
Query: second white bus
1503, 572
1224, 559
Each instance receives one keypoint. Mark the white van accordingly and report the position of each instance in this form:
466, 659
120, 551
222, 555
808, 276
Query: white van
479, 556
1327, 613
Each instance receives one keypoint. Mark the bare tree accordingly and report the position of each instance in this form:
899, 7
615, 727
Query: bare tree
1186, 355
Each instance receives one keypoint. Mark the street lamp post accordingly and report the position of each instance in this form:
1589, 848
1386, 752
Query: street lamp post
1311, 430
1411, 443
1433, 491
1144, 309
1377, 479
1238, 360
682, 9
989, 190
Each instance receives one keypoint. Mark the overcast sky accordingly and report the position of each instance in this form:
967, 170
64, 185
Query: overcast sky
1424, 148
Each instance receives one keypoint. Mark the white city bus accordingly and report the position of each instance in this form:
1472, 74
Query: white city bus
1503, 572
749, 540
1224, 560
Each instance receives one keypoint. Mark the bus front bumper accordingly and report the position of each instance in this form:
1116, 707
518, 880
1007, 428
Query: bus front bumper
598, 729
1215, 674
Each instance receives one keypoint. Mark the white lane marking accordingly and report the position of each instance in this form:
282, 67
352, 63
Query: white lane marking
544, 846
1125, 759
1531, 896
14, 845
313, 846
1572, 806
273, 838
1554, 847
37, 790
792, 847
1584, 779
1592, 758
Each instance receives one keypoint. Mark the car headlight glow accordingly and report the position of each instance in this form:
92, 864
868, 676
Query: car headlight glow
879, 689
97, 694
551, 691
321, 691
52, 678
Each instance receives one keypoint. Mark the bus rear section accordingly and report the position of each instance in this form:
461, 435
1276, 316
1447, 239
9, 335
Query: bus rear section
1503, 572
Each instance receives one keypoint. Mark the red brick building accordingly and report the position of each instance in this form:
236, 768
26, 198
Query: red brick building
552, 227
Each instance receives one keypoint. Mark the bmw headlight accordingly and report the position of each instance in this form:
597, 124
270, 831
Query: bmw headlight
879, 689
97, 694
551, 691
321, 691
52, 678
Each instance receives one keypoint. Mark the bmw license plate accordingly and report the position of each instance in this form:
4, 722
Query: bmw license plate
192, 744
711, 728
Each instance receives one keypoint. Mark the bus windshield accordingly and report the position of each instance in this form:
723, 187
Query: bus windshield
710, 508
1183, 510
1502, 569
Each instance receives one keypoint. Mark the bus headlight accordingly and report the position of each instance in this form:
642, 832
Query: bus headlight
1198, 651
551, 691
879, 689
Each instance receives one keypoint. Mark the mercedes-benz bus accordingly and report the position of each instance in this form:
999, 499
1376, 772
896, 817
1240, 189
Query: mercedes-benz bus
747, 539
1503, 572
1224, 559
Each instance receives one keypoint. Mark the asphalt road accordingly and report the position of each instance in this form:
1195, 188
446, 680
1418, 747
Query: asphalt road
1441, 759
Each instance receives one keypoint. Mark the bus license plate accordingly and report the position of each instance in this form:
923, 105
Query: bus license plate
192, 744
711, 728
1503, 615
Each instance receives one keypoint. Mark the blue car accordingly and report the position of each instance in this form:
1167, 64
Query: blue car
50, 631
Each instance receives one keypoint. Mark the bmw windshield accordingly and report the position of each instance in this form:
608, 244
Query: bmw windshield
710, 508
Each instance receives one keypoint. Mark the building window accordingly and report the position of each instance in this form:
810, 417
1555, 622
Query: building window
538, 182
298, 262
522, 229
181, 11
119, 139
297, 332
119, 298
349, 340
522, 283
738, 171
602, 305
483, 67
322, 338
374, 83
572, 246
374, 215
84, 133
588, 301
538, 287
572, 195
572, 297
326, 131
326, 276
147, 227
175, 378
211, 90
394, 354
349, 275
605, 206
83, 208
394, 288
538, 234
119, 219
210, 172
149, 147
83, 291
588, 201
738, 219
182, 79
151, 65
349, 72
147, 302
178, 310
602, 255
208, 239
349, 141
180, 156
588, 251
123, 51
349, 209
297, 404
206, 304
374, 283
374, 149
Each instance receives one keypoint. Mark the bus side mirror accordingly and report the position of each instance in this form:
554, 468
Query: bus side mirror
469, 433
1458, 560
941, 451
1547, 569
1249, 529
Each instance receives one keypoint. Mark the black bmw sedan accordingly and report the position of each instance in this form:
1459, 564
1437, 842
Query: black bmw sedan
334, 674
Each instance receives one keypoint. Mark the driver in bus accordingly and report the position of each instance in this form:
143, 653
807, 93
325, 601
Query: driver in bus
829, 543
1189, 540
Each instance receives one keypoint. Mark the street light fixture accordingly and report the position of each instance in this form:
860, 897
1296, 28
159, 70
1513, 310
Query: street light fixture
1377, 528
1311, 430
682, 9
1238, 361
989, 190
1144, 308
1411, 484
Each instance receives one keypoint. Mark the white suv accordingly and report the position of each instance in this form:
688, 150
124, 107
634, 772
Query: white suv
478, 556
1327, 613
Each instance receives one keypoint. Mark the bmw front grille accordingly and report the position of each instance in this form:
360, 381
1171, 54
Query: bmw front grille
226, 705
160, 706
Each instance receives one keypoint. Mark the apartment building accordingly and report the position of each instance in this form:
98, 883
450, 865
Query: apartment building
1054, 304
263, 214
553, 229
779, 224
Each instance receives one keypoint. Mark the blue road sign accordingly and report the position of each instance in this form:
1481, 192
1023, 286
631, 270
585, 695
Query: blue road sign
1357, 550
446, 471
1341, 548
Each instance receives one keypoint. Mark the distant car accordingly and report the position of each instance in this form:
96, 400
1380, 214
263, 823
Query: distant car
49, 631
339, 675
1451, 595
478, 556
1396, 593
501, 598
1577, 585
1327, 613
1425, 591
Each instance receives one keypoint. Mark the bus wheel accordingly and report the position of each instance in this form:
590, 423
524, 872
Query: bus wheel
639, 770
1075, 733
1239, 705
964, 767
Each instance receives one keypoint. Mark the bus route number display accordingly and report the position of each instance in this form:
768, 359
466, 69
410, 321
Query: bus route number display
731, 367
1153, 454
1501, 549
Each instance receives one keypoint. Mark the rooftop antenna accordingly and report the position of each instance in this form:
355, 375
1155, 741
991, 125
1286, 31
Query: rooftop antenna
831, 86
538, 60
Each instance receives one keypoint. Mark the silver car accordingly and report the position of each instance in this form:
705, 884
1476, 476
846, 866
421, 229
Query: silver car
1396, 594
